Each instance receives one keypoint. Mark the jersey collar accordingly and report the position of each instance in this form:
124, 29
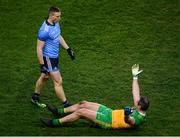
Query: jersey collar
49, 23
143, 114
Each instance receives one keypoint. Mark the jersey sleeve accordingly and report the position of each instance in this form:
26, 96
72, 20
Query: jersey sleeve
137, 118
42, 35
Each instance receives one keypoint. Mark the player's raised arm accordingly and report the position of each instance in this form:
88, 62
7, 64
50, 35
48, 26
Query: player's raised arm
135, 84
141, 103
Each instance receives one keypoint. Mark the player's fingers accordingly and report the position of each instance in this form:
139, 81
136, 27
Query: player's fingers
134, 66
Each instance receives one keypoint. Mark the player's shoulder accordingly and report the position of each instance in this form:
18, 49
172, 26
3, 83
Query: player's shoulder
57, 24
44, 27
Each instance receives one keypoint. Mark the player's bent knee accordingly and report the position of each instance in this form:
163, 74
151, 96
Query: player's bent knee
81, 111
83, 104
57, 83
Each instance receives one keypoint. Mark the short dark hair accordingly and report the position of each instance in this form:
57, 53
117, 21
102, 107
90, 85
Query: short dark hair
144, 103
54, 9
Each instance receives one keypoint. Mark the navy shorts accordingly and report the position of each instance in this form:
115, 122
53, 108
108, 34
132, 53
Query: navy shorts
51, 64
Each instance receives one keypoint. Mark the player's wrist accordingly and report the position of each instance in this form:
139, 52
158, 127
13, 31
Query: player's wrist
135, 77
68, 49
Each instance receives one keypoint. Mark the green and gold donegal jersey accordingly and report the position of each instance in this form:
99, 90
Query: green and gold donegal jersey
138, 117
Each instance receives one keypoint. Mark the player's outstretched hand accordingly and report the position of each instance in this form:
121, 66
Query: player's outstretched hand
135, 70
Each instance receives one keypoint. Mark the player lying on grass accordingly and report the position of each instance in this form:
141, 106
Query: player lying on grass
103, 116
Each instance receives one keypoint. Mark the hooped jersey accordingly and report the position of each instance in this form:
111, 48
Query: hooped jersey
50, 34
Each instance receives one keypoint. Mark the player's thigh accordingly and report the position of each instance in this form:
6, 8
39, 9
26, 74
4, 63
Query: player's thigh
56, 77
89, 105
87, 114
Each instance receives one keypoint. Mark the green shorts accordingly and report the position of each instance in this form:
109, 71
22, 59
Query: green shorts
104, 117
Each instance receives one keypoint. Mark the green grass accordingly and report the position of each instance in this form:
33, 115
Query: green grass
108, 36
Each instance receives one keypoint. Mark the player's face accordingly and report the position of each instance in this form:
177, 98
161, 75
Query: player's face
139, 107
56, 16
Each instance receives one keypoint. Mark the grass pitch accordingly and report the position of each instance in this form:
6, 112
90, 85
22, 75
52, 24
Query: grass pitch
108, 37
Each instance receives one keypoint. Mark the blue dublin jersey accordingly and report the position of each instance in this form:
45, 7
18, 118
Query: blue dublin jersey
50, 34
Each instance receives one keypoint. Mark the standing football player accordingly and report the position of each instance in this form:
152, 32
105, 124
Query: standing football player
48, 44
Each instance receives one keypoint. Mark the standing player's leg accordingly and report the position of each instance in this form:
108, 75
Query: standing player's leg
57, 79
38, 87
40, 82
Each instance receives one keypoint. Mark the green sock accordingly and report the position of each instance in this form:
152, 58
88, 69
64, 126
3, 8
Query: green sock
55, 122
61, 111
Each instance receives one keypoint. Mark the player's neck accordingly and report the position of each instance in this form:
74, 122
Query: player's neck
50, 21
141, 111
